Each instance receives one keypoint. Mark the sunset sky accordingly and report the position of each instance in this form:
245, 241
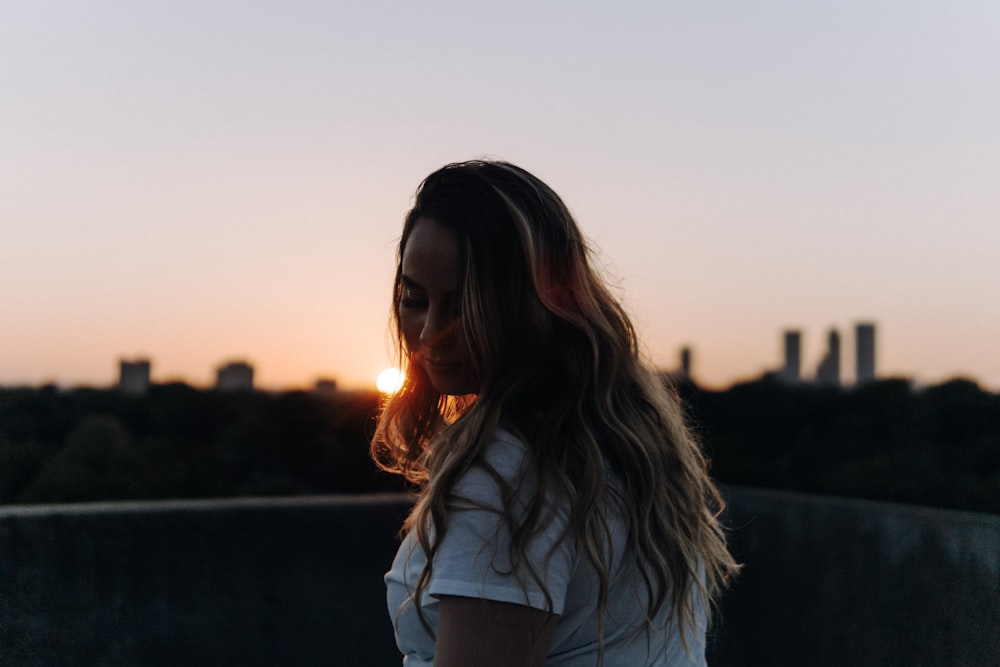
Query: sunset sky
197, 182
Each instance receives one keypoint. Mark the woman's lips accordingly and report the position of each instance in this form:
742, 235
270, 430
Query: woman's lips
441, 364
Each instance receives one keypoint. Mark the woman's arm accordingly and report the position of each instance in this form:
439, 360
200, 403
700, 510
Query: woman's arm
483, 633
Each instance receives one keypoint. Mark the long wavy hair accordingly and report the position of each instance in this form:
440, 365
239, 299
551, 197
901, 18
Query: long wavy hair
558, 364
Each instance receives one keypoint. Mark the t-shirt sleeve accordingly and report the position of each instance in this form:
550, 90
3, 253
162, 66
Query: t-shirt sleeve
474, 559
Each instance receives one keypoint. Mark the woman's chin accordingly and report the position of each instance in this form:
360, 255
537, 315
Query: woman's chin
451, 380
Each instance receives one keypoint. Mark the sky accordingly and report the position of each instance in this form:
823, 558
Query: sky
200, 182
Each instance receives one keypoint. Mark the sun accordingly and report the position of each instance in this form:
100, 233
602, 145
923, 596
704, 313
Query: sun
390, 380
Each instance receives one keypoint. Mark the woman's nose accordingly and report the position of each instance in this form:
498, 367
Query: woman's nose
436, 327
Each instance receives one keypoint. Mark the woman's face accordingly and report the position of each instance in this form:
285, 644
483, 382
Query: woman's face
429, 308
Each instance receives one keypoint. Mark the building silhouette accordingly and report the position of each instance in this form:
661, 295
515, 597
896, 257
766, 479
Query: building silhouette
828, 372
234, 376
133, 376
792, 371
864, 339
325, 388
686, 363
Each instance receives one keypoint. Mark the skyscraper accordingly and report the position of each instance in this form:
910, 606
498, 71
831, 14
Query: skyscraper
864, 336
793, 356
828, 372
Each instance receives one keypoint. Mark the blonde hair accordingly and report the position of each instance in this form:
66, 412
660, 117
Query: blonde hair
558, 364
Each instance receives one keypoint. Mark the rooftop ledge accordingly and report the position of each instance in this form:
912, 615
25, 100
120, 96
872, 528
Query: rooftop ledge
298, 581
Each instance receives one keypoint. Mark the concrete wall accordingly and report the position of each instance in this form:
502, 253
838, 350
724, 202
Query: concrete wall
244, 582
299, 582
839, 582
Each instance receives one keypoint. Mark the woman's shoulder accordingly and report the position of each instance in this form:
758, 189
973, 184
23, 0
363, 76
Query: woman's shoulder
504, 461
505, 448
504, 455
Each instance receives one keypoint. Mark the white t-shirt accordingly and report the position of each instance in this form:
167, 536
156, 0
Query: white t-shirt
472, 561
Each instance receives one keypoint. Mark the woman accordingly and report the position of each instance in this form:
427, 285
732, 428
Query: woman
565, 516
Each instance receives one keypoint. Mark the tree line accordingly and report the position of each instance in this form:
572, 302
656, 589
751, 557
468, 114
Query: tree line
886, 440
937, 446
180, 442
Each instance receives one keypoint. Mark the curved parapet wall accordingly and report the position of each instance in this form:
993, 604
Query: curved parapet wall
299, 582
235, 582
833, 582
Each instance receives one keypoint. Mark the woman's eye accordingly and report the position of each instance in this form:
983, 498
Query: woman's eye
412, 300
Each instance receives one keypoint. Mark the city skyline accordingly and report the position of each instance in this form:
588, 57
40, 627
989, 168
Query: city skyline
195, 182
135, 374
827, 365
